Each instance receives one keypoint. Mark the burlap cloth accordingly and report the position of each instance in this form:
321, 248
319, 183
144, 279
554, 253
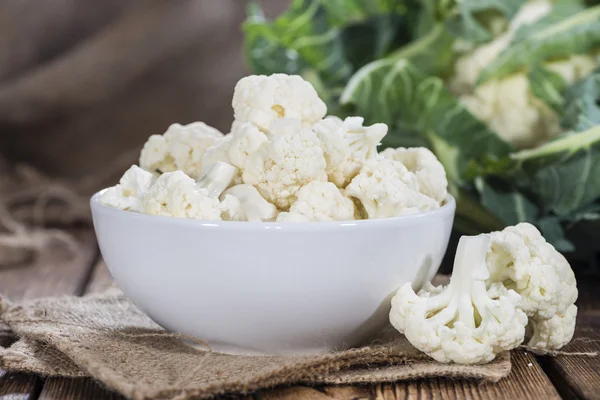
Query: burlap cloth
104, 336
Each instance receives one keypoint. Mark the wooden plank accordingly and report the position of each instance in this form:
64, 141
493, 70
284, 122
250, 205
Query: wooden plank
54, 272
579, 376
100, 279
76, 389
19, 386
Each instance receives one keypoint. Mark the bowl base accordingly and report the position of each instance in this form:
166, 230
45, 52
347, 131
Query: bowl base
242, 351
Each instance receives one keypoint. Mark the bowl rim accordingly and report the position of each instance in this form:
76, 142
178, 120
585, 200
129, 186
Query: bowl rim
97, 207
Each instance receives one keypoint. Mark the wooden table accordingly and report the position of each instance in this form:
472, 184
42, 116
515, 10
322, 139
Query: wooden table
531, 378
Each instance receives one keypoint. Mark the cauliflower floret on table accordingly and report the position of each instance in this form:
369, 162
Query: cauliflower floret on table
522, 260
261, 99
386, 188
347, 145
425, 165
553, 333
291, 158
181, 147
463, 322
126, 195
319, 201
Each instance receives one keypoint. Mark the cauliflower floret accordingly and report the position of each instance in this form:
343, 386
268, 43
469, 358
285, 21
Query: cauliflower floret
246, 142
386, 188
132, 186
291, 217
261, 99
425, 165
218, 178
231, 209
347, 145
175, 194
181, 147
553, 333
291, 158
320, 201
462, 322
522, 260
216, 153
253, 206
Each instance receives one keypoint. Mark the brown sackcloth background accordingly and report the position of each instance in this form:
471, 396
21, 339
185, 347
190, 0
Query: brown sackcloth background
106, 337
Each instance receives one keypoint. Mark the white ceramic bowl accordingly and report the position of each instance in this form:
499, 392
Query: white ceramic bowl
265, 287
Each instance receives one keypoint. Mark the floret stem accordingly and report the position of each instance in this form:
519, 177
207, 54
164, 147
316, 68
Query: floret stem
218, 178
469, 272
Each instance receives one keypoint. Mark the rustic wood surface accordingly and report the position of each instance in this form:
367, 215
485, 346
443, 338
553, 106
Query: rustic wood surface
56, 272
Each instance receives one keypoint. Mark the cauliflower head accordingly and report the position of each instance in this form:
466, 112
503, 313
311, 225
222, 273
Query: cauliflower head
510, 108
386, 188
425, 165
347, 145
508, 105
463, 322
469, 66
127, 194
261, 99
175, 194
290, 159
320, 201
520, 258
181, 147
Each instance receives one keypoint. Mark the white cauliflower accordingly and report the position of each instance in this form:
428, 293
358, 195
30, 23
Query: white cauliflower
574, 68
509, 108
463, 322
181, 147
291, 217
216, 153
347, 145
232, 209
261, 99
253, 206
132, 186
386, 188
553, 333
425, 165
320, 201
218, 178
468, 67
175, 194
292, 158
246, 142
522, 260
508, 105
